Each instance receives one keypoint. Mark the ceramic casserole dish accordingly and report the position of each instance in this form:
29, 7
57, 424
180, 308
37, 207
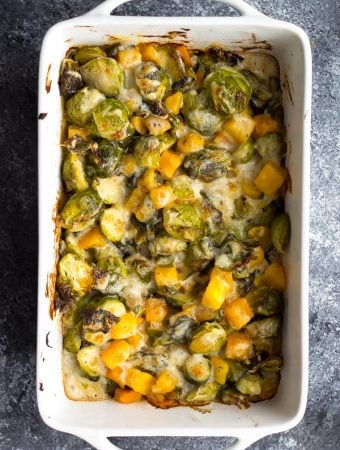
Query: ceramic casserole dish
95, 421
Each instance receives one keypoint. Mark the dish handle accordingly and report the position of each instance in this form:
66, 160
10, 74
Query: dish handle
241, 6
243, 442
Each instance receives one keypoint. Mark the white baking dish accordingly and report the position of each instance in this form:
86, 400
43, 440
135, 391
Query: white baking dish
94, 421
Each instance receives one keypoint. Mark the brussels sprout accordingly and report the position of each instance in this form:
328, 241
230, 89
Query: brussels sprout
280, 232
90, 362
98, 320
147, 151
203, 394
244, 152
111, 190
270, 384
231, 396
151, 362
81, 210
154, 329
271, 364
74, 275
181, 186
266, 215
243, 208
86, 54
171, 61
70, 79
132, 99
74, 175
166, 140
80, 106
77, 145
271, 345
182, 221
198, 115
113, 264
236, 370
165, 244
207, 164
111, 120
152, 81
197, 369
111, 304
72, 245
180, 300
260, 90
265, 301
105, 158
141, 265
265, 328
271, 147
72, 340
180, 331
199, 254
208, 338
103, 74
249, 384
228, 90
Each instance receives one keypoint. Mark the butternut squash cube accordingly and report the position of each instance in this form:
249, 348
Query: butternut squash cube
129, 58
138, 124
73, 130
191, 142
136, 199
118, 375
157, 125
275, 276
92, 239
174, 102
139, 381
162, 196
249, 189
126, 327
264, 124
151, 179
169, 162
127, 396
270, 178
156, 309
240, 126
149, 53
257, 258
220, 285
221, 369
238, 313
115, 353
238, 346
165, 382
166, 276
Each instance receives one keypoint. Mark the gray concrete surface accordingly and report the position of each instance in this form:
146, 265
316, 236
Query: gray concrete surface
22, 26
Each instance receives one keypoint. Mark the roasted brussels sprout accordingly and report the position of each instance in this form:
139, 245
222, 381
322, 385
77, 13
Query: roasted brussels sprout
141, 265
104, 74
244, 209
271, 147
203, 394
151, 362
271, 345
230, 396
70, 79
111, 120
244, 152
81, 210
72, 340
77, 145
113, 264
132, 99
199, 116
280, 232
166, 245
105, 158
86, 54
249, 384
180, 300
74, 175
80, 106
113, 223
260, 90
265, 328
98, 320
147, 151
181, 186
207, 164
74, 275
271, 364
111, 304
208, 338
197, 369
90, 362
180, 331
152, 81
265, 301
228, 90
200, 253
182, 221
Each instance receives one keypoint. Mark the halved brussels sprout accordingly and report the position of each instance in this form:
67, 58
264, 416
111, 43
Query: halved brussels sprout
105, 158
70, 79
141, 265
208, 338
151, 362
90, 362
207, 164
111, 190
260, 90
74, 275
81, 210
271, 147
265, 328
181, 186
244, 209
182, 221
74, 174
181, 300
180, 331
271, 364
86, 54
236, 370
152, 81
280, 232
111, 304
171, 61
167, 245
111, 120
113, 265
98, 320
265, 301
203, 394
77, 145
132, 99
271, 345
199, 116
244, 152
113, 223
199, 254
197, 369
228, 90
79, 107
72, 340
147, 151
249, 384
230, 396
103, 74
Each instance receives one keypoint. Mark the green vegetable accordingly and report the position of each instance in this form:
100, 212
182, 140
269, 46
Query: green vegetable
105, 158
198, 114
230, 396
236, 370
182, 221
86, 54
244, 152
180, 300
74, 175
244, 209
203, 394
265, 328
280, 232
113, 223
112, 304
199, 254
207, 164
228, 90
208, 338
90, 362
81, 210
166, 245
141, 265
72, 340
70, 79
249, 384
74, 275
197, 369
114, 265
152, 81
265, 301
80, 106
181, 186
147, 151
271, 345
271, 147
104, 74
111, 120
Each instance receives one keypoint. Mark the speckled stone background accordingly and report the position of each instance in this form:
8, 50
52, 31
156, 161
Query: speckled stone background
23, 24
